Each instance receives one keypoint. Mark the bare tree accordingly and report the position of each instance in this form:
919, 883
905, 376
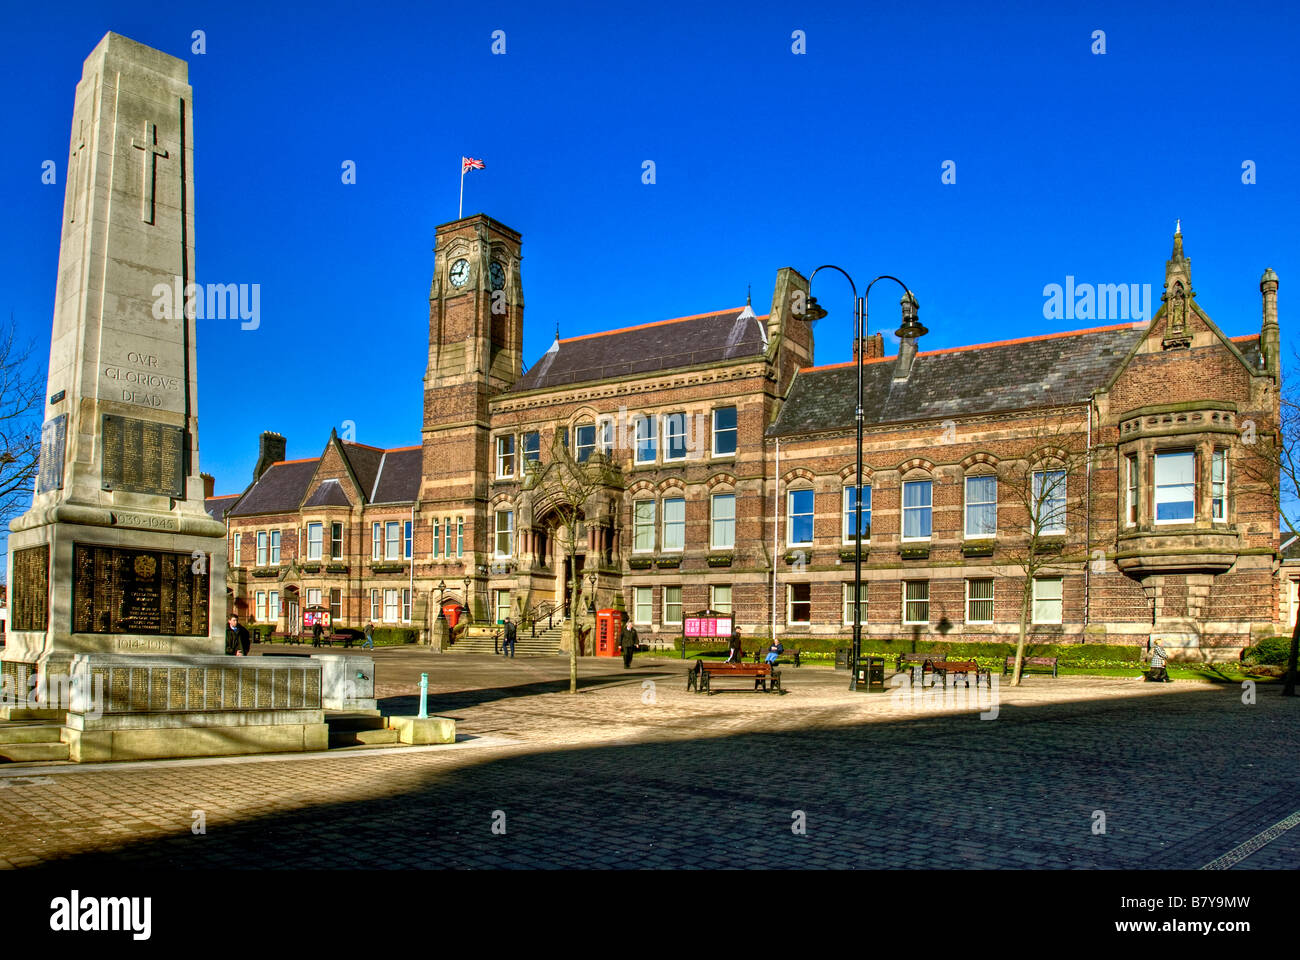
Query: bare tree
571, 490
22, 395
1048, 505
1272, 457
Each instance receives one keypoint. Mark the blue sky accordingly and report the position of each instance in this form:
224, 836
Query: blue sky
1067, 163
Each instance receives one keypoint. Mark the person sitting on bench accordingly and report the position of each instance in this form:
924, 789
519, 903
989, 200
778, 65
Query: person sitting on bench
774, 651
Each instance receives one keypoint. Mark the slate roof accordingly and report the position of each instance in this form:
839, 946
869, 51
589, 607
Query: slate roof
1290, 548
1011, 375
217, 506
385, 476
399, 476
329, 494
279, 490
649, 348
365, 464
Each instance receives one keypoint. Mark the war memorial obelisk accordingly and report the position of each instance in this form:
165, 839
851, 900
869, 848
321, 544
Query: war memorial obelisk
116, 572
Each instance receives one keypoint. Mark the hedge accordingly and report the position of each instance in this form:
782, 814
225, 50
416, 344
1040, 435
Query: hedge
1091, 653
1273, 651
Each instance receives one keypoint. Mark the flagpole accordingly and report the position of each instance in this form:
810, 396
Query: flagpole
460, 209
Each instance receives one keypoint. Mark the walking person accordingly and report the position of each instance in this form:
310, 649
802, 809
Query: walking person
735, 653
508, 645
370, 635
316, 632
1159, 658
628, 640
236, 638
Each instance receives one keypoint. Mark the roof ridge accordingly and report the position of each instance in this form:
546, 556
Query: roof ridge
374, 488
281, 463
979, 346
353, 443
417, 446
657, 323
224, 496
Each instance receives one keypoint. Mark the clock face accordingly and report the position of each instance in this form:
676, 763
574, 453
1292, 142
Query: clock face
459, 274
498, 274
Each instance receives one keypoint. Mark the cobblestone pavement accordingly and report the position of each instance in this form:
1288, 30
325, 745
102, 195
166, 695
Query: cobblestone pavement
636, 772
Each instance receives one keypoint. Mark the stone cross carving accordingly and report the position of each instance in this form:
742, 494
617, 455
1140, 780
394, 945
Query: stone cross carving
152, 153
74, 171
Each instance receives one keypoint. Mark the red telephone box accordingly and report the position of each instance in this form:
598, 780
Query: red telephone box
451, 610
609, 625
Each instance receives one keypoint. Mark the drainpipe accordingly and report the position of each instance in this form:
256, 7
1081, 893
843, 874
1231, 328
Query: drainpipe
1087, 568
776, 522
411, 590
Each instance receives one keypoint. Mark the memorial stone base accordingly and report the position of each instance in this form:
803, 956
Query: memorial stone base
134, 707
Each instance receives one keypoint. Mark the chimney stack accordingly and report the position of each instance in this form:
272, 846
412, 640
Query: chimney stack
209, 485
874, 347
1270, 336
270, 449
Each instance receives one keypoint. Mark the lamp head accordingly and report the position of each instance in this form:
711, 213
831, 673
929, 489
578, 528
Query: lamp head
813, 311
912, 326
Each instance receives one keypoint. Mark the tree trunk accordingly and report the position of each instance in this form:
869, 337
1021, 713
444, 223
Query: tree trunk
1025, 599
1288, 688
573, 632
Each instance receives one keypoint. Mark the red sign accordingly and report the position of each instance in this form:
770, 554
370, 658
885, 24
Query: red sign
707, 628
312, 617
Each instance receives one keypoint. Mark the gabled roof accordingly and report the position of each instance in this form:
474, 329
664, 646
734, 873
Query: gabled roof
1055, 369
651, 347
398, 480
385, 476
364, 461
329, 494
280, 488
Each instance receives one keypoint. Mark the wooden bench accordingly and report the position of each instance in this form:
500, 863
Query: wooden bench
700, 677
961, 668
1010, 664
934, 660
791, 652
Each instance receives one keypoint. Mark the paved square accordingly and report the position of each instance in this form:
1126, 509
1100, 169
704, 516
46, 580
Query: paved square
636, 772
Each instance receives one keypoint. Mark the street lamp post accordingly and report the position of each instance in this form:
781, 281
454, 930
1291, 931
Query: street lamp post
469, 609
442, 589
911, 328
591, 604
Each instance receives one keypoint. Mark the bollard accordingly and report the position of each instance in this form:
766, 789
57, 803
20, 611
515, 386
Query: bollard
424, 695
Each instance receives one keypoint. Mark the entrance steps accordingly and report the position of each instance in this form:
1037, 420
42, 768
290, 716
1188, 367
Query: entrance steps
545, 644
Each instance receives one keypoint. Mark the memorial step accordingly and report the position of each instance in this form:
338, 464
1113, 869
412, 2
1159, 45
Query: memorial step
31, 752
352, 738
339, 722
21, 732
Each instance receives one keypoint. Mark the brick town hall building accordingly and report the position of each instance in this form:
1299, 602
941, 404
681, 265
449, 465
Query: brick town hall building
1154, 509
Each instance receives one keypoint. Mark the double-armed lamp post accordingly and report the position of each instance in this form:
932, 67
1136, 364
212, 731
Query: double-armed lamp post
911, 329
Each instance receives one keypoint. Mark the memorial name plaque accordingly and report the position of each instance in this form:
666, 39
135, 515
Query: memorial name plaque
53, 437
30, 595
142, 456
137, 591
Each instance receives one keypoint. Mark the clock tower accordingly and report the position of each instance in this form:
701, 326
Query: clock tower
476, 313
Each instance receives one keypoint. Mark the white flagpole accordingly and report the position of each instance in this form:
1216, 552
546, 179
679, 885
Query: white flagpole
460, 210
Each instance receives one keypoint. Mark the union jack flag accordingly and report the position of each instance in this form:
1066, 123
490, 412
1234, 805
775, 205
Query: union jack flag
469, 163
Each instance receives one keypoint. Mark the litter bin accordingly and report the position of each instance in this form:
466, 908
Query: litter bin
871, 673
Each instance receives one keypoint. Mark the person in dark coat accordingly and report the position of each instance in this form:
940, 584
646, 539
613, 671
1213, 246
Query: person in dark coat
317, 631
628, 640
237, 639
734, 652
508, 645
